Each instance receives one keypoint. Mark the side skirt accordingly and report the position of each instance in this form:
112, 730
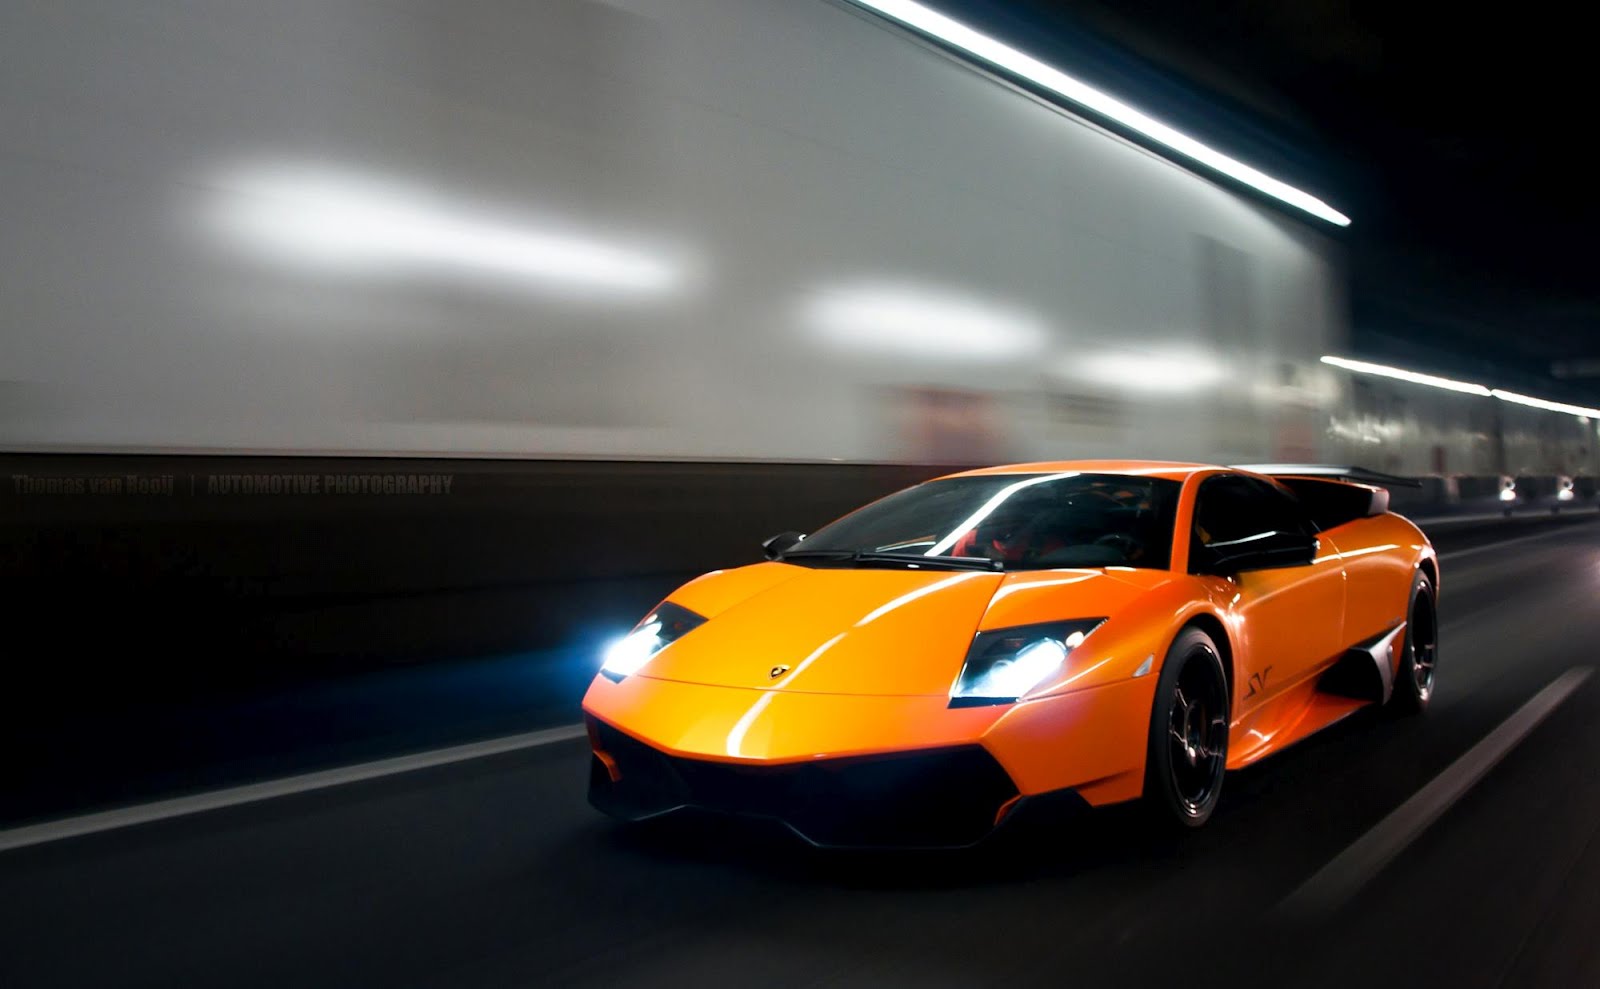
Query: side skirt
1366, 670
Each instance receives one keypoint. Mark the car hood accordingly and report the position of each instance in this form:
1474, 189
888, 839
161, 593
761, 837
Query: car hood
862, 631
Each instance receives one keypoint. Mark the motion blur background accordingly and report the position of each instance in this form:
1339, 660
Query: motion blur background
657, 278
346, 335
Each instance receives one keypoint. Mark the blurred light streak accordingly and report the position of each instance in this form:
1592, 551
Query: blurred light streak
1363, 367
988, 508
1170, 372
343, 219
905, 319
1400, 374
1539, 403
957, 35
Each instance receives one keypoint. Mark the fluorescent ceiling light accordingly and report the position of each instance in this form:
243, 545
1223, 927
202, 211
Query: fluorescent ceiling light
1539, 403
923, 322
1400, 374
981, 46
347, 220
1363, 367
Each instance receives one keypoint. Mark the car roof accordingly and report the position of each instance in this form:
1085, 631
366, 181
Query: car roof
1172, 470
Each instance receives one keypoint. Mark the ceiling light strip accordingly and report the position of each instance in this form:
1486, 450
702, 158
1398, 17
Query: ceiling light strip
1548, 406
1400, 374
1467, 387
984, 48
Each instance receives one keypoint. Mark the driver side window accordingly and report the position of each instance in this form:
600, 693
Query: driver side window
1233, 508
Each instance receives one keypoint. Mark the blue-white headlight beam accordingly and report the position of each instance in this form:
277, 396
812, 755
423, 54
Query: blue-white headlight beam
986, 49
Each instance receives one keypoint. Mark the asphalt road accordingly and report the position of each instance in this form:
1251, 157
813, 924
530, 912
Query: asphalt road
494, 872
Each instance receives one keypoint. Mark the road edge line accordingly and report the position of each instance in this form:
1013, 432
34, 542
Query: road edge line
234, 796
1346, 873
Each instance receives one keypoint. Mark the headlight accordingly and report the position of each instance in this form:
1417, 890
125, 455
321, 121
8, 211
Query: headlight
663, 626
1004, 664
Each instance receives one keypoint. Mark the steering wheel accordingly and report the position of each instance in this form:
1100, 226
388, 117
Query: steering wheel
1125, 544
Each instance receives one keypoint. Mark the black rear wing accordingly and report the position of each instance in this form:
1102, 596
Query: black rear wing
1360, 475
1334, 495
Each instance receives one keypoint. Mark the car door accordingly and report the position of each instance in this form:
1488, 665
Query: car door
1289, 619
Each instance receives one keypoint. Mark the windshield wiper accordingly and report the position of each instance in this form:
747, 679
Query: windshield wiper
902, 559
934, 562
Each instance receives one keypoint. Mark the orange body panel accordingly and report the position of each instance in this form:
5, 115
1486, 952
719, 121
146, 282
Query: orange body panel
797, 663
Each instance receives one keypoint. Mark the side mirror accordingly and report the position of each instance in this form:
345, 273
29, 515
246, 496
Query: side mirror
1268, 551
782, 543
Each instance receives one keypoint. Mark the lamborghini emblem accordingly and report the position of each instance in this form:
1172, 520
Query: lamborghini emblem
777, 671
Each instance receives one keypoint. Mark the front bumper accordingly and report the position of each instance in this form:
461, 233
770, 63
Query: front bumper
928, 798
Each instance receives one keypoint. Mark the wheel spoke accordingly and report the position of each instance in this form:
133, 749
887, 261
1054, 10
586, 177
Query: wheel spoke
1198, 729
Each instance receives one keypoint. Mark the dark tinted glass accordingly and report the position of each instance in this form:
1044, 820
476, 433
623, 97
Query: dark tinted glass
1026, 521
1233, 508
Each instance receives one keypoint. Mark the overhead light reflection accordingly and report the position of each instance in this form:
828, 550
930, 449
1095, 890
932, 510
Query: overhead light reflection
343, 219
742, 727
987, 49
907, 598
926, 322
988, 508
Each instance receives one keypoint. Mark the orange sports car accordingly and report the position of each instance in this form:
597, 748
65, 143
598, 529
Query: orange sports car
924, 669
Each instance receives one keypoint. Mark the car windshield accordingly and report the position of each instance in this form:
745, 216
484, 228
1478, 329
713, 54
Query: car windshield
1012, 521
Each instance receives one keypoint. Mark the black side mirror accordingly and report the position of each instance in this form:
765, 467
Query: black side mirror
782, 543
1268, 551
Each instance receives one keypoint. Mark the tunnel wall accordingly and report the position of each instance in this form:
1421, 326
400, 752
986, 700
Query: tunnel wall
1467, 448
720, 229
633, 230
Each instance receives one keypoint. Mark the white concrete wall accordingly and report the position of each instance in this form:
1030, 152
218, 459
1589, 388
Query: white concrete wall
652, 228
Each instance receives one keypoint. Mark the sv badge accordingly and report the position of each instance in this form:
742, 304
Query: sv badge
777, 671
1258, 681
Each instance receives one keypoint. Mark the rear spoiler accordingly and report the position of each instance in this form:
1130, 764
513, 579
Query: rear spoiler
1335, 495
1360, 475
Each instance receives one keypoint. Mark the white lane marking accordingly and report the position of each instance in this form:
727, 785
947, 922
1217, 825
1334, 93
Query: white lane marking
1350, 870
1526, 515
1487, 547
199, 803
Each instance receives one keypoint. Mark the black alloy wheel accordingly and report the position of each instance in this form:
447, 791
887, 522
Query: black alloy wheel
1188, 746
1413, 685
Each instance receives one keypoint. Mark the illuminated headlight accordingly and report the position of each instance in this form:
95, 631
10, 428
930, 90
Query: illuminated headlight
1005, 664
1508, 494
659, 629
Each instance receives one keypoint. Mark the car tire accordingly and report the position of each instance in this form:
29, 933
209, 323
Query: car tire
1188, 742
1413, 680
